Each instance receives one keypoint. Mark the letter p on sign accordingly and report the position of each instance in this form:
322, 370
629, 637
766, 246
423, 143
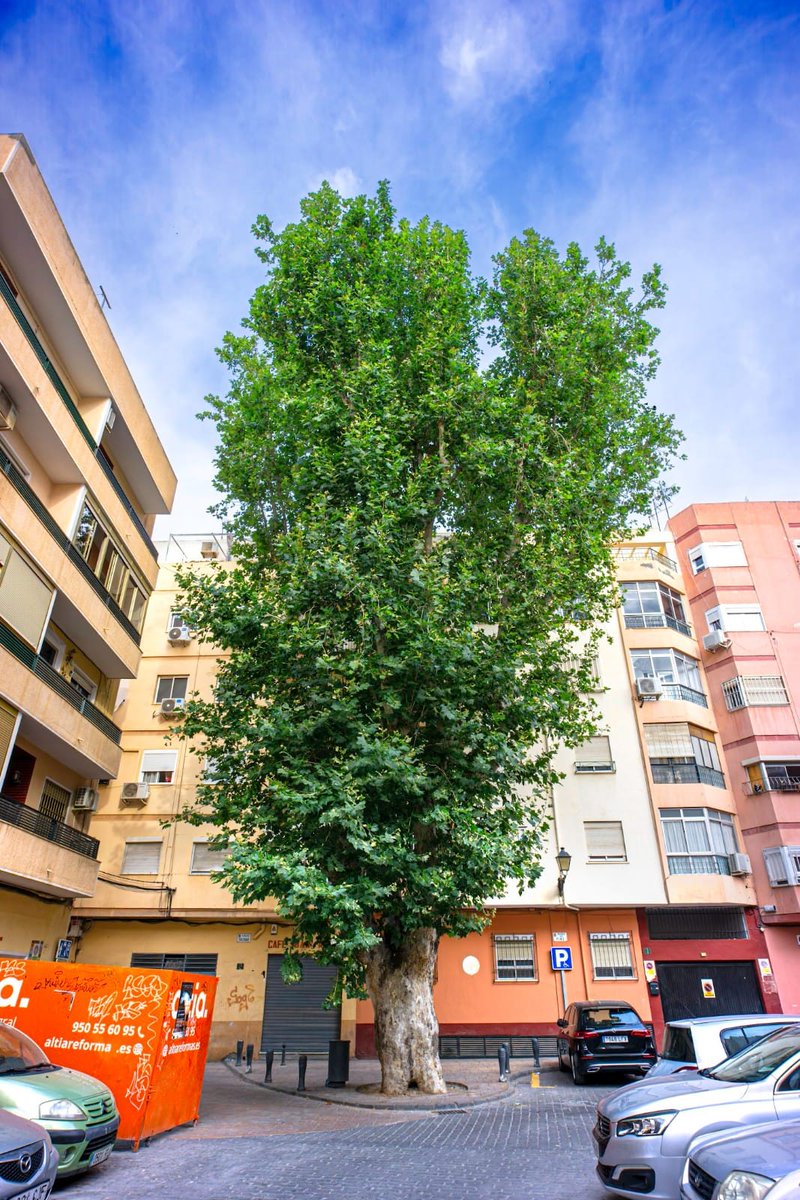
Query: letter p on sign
561, 958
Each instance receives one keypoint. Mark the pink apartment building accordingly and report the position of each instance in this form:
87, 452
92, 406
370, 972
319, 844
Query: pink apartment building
741, 564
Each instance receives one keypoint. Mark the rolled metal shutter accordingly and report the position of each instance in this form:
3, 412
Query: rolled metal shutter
293, 1013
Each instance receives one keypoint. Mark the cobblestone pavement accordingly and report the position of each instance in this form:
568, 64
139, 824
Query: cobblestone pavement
257, 1144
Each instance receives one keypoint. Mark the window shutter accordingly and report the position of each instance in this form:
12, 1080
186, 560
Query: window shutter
775, 863
24, 599
595, 751
141, 858
205, 860
604, 840
669, 741
159, 760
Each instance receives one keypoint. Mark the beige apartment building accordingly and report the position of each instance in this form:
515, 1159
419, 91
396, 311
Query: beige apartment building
657, 899
82, 477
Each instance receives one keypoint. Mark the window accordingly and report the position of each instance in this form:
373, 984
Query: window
514, 956
109, 566
735, 618
611, 955
650, 605
142, 856
176, 620
698, 840
594, 755
193, 964
774, 776
783, 866
746, 691
716, 554
682, 753
171, 687
52, 650
158, 766
205, 859
82, 684
54, 800
604, 841
678, 674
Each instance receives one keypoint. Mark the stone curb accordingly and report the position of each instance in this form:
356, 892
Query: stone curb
447, 1103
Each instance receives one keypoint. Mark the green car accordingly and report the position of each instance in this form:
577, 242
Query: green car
77, 1110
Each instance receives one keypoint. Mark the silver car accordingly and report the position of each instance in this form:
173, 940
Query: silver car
645, 1131
743, 1165
697, 1042
27, 1159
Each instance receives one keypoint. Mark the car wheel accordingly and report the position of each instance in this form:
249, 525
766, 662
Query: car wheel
578, 1074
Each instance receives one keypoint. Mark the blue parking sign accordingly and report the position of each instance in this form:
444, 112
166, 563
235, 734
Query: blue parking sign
561, 958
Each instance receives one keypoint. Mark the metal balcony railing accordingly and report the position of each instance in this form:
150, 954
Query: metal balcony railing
57, 382
685, 772
30, 659
656, 621
698, 864
48, 828
21, 485
679, 691
645, 554
790, 784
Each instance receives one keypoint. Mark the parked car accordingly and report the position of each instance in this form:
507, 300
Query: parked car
699, 1042
746, 1164
787, 1188
77, 1110
603, 1035
645, 1130
27, 1159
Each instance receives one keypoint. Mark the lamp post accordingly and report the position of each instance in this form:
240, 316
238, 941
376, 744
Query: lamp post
564, 860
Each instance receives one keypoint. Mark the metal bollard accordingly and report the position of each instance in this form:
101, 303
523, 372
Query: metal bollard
283, 1055
507, 1049
302, 1063
502, 1056
537, 1063
239, 1049
270, 1060
249, 1057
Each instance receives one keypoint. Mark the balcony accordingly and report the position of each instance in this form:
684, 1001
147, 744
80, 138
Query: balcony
21, 485
45, 856
679, 691
647, 555
676, 771
61, 391
656, 621
698, 864
790, 783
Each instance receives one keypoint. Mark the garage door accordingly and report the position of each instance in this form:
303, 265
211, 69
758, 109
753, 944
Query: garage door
710, 989
293, 1013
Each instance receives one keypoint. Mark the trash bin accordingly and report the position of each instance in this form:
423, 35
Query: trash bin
338, 1063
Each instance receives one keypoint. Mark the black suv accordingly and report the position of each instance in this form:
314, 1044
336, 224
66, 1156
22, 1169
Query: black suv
604, 1035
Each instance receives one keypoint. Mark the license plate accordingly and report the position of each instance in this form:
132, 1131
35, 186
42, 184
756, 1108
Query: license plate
38, 1193
615, 1039
100, 1156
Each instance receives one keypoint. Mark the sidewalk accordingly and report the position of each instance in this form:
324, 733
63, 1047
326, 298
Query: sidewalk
470, 1082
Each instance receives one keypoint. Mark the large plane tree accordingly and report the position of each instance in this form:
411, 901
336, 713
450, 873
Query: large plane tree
422, 473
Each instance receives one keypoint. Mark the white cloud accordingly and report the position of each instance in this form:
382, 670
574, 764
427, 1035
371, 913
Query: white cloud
344, 180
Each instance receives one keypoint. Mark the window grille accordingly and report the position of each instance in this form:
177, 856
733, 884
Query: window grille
193, 964
688, 924
54, 800
611, 955
744, 691
698, 840
514, 956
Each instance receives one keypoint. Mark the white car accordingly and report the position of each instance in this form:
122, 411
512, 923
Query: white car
700, 1042
645, 1131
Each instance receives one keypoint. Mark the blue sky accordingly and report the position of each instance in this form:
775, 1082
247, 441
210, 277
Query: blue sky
670, 126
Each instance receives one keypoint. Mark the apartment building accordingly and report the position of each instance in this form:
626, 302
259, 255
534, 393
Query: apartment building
741, 562
82, 477
644, 882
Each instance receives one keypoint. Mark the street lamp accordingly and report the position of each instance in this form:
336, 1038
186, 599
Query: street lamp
564, 860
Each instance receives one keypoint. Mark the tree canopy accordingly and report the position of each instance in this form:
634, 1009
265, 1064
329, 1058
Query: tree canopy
423, 473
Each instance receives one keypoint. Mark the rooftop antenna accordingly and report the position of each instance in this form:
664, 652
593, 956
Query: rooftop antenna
105, 302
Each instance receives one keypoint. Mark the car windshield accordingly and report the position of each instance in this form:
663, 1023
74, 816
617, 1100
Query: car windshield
610, 1018
759, 1061
18, 1052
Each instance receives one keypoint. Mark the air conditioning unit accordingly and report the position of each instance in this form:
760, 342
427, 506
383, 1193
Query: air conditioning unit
135, 793
648, 688
716, 640
179, 635
8, 412
171, 706
739, 864
84, 800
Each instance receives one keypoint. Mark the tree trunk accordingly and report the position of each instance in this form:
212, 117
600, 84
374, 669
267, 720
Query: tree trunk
400, 986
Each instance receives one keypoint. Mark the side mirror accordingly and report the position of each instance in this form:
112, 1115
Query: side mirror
561, 1023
